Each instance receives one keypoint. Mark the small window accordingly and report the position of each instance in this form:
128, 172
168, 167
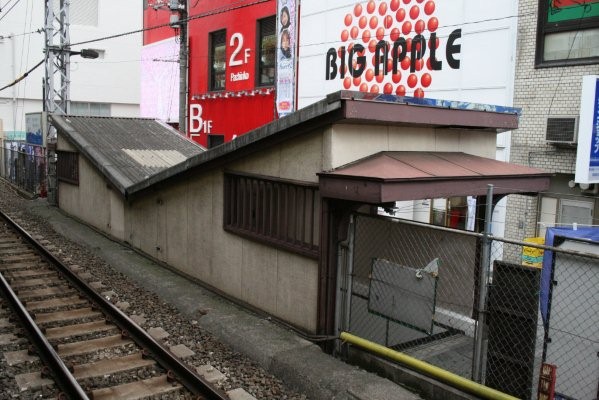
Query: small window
218, 59
67, 167
84, 12
267, 52
576, 211
89, 109
281, 213
567, 33
564, 212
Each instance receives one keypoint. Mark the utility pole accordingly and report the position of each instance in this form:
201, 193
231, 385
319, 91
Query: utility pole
179, 21
183, 66
56, 86
56, 80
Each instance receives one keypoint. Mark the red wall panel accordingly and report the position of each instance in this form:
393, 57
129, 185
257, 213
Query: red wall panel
241, 106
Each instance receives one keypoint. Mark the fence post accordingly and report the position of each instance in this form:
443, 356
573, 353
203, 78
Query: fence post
345, 262
350, 272
477, 368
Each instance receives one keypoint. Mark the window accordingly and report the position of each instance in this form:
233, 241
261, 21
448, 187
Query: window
67, 167
574, 211
267, 51
561, 211
567, 33
89, 109
277, 212
454, 212
82, 12
218, 60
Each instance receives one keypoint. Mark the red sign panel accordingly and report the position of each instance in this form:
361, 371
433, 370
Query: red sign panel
547, 382
237, 104
231, 116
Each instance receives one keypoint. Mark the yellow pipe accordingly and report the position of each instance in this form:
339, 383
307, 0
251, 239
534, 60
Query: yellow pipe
431, 370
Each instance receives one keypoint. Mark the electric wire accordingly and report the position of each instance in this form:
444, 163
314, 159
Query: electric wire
215, 11
14, 35
245, 5
202, 15
4, 6
22, 76
8, 11
25, 28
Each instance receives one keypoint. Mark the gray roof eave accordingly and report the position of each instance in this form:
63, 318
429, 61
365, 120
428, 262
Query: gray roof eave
112, 174
251, 141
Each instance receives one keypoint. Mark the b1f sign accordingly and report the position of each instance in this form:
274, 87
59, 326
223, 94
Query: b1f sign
587, 156
198, 124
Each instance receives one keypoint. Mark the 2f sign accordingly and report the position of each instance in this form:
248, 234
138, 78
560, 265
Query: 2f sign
196, 123
237, 43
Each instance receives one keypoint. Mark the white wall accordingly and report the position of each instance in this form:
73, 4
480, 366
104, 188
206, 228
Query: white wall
487, 55
112, 79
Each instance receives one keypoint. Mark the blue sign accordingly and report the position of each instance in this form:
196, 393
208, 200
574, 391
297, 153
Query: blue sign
33, 126
594, 161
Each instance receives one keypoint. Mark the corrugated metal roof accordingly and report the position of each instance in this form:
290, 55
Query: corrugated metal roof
127, 150
134, 157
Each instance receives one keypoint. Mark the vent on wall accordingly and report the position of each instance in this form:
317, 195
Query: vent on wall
562, 130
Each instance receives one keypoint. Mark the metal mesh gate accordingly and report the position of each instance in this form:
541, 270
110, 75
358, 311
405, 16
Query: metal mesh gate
414, 288
25, 170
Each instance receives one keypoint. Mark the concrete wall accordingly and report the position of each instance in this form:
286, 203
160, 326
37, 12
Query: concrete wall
181, 223
346, 143
182, 226
93, 200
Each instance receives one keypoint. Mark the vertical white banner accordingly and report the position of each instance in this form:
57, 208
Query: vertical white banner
286, 54
587, 155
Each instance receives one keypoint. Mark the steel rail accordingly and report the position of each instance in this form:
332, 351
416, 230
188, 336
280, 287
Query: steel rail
62, 376
187, 377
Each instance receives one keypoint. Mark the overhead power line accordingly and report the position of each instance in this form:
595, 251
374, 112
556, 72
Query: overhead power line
191, 18
7, 11
22, 76
12, 35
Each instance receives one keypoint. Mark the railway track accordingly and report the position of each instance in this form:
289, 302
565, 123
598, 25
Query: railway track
88, 347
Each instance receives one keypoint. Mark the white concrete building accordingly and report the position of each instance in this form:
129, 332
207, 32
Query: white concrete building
108, 85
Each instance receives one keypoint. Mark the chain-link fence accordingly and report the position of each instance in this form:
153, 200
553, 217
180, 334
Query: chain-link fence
25, 169
417, 289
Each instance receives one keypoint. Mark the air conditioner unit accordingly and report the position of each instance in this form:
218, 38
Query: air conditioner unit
562, 130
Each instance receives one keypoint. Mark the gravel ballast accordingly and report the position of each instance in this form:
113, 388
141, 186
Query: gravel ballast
240, 371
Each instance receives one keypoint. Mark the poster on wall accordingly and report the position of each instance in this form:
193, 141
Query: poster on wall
460, 50
587, 152
286, 54
160, 81
33, 126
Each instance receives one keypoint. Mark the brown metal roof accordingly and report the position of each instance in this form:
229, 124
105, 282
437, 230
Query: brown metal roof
403, 175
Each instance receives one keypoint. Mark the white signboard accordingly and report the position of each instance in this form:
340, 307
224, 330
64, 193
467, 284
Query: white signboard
160, 81
286, 54
444, 49
587, 156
